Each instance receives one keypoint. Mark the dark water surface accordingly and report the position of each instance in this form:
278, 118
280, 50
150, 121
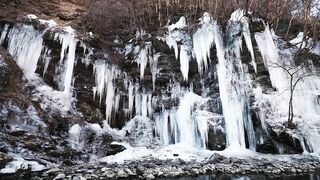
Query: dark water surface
315, 176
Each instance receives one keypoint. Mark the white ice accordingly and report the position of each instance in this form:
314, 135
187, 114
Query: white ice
20, 163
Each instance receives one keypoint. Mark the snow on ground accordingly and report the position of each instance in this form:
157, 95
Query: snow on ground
20, 163
179, 151
174, 151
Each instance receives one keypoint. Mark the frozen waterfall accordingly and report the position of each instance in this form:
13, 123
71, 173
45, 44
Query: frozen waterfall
182, 125
305, 97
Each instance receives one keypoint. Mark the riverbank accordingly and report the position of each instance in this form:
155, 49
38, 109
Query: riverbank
151, 168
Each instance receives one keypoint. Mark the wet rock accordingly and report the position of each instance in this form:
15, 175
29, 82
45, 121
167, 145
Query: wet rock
215, 157
60, 176
52, 172
76, 177
267, 147
286, 143
116, 148
4, 158
121, 174
216, 140
149, 176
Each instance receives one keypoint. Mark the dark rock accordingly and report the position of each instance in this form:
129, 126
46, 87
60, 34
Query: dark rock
116, 148
67, 16
267, 147
216, 158
4, 158
287, 143
216, 140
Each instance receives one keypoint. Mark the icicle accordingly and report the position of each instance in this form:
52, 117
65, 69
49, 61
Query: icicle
87, 56
183, 125
177, 34
270, 57
110, 94
154, 68
231, 76
117, 103
4, 33
131, 98
184, 61
149, 103
138, 103
100, 72
238, 16
25, 45
203, 39
247, 37
144, 105
105, 76
67, 57
142, 56
46, 59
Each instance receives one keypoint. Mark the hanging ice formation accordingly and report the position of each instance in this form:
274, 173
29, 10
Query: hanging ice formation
180, 41
182, 124
106, 77
4, 33
203, 40
234, 84
143, 53
233, 76
176, 114
239, 16
306, 93
26, 45
67, 58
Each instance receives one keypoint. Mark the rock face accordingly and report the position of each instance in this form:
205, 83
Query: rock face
25, 125
63, 112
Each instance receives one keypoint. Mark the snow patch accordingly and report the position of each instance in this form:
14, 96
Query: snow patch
20, 163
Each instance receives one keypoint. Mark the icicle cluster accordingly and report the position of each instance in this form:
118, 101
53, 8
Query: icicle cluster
180, 41
182, 125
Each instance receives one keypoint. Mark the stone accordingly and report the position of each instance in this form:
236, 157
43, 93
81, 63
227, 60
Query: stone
60, 176
76, 177
215, 157
149, 176
4, 158
216, 139
52, 172
121, 174
129, 172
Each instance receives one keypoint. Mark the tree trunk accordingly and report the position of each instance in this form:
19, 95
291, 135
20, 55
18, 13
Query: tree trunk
247, 7
290, 114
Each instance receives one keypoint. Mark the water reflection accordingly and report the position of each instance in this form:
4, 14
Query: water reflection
315, 176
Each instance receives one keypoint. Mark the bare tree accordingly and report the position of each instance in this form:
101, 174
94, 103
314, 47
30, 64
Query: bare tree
295, 76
